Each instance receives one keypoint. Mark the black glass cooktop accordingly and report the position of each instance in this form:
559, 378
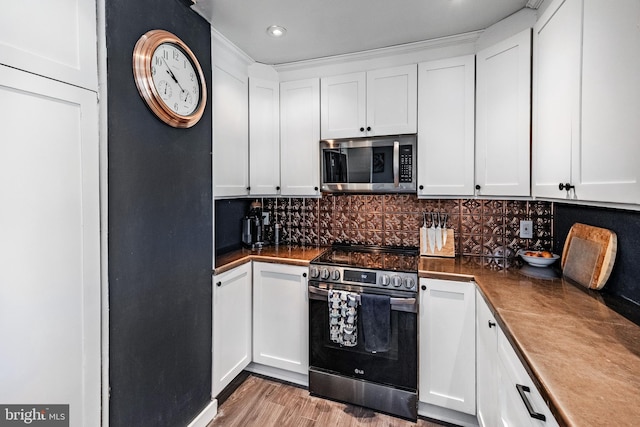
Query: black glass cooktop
371, 257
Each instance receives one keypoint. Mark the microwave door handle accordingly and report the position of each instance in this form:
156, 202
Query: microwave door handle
396, 163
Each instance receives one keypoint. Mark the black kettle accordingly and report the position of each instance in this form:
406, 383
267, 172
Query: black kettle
252, 227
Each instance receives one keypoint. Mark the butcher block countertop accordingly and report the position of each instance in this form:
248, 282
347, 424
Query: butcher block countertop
583, 356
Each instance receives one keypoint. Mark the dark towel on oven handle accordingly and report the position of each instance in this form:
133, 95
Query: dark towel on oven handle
375, 313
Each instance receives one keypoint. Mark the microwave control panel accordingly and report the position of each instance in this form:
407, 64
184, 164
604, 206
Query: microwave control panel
406, 163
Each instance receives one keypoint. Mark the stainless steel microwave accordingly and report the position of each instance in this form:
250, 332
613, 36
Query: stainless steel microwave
380, 164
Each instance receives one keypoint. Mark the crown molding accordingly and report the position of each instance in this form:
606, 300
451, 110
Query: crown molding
230, 46
408, 48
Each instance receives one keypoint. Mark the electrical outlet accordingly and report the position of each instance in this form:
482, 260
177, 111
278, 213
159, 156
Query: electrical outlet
526, 229
265, 218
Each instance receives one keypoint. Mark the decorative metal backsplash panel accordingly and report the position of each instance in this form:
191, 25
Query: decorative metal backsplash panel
487, 229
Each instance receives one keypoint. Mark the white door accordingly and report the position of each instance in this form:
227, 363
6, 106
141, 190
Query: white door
299, 137
231, 325
556, 96
343, 106
606, 165
392, 101
54, 39
264, 137
486, 364
50, 245
503, 116
447, 353
280, 317
446, 105
230, 133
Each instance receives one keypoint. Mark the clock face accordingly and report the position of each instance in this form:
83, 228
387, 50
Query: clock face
175, 78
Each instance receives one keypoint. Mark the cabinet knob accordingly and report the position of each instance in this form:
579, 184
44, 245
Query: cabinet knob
248, 188
478, 187
368, 128
566, 186
423, 287
491, 324
218, 284
421, 187
304, 274
278, 188
315, 188
361, 129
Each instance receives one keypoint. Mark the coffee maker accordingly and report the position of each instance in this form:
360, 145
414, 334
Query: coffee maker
252, 227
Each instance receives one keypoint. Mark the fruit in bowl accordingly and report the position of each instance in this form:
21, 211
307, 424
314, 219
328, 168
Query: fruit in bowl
538, 258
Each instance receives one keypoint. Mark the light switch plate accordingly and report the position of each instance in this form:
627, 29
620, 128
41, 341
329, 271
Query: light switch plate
526, 229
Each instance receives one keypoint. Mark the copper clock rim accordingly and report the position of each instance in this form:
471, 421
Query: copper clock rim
142, 55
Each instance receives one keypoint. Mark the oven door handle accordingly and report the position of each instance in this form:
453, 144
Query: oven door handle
399, 304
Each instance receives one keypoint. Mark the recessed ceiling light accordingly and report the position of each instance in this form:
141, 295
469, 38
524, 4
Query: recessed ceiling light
276, 31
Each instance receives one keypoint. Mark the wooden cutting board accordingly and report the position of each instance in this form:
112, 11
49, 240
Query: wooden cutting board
588, 255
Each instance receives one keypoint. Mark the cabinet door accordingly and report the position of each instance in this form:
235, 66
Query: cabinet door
486, 364
392, 101
280, 317
606, 165
300, 134
446, 99
503, 114
264, 137
231, 325
556, 96
447, 353
230, 133
50, 245
343, 106
55, 39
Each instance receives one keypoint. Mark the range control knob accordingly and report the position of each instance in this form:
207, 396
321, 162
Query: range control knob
384, 280
324, 273
314, 272
335, 275
397, 281
409, 283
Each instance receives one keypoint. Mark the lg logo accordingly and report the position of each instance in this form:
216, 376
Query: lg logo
358, 371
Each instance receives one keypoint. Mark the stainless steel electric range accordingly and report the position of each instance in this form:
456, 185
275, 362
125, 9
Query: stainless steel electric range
349, 371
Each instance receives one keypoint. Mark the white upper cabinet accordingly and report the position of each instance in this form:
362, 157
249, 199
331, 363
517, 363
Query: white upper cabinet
379, 102
556, 96
446, 107
503, 116
264, 137
230, 122
299, 137
55, 39
587, 101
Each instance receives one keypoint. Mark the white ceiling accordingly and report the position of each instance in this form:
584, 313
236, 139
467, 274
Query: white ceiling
321, 28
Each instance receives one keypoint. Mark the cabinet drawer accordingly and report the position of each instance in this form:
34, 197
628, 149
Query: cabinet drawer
518, 391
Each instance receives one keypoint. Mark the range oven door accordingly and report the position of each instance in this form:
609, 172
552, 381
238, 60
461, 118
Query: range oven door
396, 368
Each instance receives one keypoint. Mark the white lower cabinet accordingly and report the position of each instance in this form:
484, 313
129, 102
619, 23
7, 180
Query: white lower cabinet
231, 325
280, 317
486, 364
519, 402
503, 383
447, 352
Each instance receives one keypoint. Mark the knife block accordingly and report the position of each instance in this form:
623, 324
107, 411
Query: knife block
448, 249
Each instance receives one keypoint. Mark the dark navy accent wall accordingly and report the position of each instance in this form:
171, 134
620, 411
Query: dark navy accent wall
160, 232
228, 226
625, 276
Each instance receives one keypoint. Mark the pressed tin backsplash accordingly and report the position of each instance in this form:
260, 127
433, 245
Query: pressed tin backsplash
484, 228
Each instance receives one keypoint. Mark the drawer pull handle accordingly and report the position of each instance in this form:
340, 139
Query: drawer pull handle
491, 324
522, 389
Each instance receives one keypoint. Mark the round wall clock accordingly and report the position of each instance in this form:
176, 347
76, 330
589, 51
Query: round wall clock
169, 78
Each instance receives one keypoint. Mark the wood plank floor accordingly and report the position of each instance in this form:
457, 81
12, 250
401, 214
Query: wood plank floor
262, 402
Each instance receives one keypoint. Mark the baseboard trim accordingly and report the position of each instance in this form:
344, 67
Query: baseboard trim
207, 414
280, 374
